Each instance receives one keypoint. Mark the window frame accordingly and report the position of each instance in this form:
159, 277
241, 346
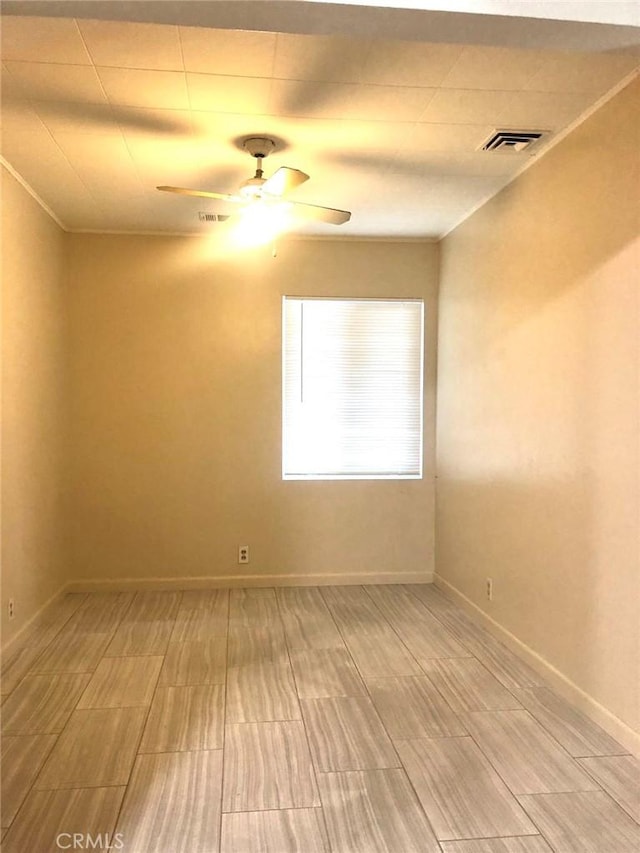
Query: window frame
286, 477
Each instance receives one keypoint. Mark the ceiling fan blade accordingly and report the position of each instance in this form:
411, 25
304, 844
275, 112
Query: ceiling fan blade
202, 194
283, 181
322, 214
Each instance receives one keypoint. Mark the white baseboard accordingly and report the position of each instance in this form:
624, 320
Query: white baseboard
31, 624
326, 579
589, 706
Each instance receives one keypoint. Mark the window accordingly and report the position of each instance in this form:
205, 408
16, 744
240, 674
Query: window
352, 395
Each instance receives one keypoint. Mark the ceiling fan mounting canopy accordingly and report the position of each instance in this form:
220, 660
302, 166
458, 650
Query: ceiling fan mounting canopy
258, 146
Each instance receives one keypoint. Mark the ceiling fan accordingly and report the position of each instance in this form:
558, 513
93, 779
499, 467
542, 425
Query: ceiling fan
270, 190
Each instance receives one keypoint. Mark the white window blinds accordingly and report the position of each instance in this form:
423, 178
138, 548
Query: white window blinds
352, 396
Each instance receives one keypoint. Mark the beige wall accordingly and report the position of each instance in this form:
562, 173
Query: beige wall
176, 415
33, 405
538, 439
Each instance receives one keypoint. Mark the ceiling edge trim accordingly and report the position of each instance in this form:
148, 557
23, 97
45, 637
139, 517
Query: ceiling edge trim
346, 238
32, 192
116, 233
535, 158
355, 238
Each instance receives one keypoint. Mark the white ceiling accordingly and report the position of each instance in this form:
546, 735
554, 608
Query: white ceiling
96, 113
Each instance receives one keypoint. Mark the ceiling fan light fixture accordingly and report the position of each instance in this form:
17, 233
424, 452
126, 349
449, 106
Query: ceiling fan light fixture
252, 188
261, 222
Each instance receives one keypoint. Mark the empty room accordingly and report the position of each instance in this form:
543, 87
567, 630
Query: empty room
320, 426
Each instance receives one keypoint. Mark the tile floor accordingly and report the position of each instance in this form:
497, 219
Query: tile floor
297, 720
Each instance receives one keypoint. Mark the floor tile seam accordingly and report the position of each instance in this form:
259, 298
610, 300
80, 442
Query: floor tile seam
626, 754
29, 669
527, 835
129, 657
66, 621
57, 735
532, 818
126, 705
271, 720
384, 619
500, 837
305, 730
425, 674
298, 649
604, 787
435, 615
608, 795
516, 796
368, 694
32, 787
393, 631
430, 616
518, 707
435, 687
224, 714
505, 782
33, 628
492, 674
299, 614
280, 809
111, 634
111, 656
478, 643
545, 731
510, 689
362, 677
173, 642
33, 734
7, 829
348, 739
141, 735
180, 751
116, 707
551, 734
463, 642
415, 657
484, 654
76, 787
119, 619
7, 732
178, 592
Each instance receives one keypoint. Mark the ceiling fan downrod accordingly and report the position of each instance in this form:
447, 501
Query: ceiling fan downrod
259, 147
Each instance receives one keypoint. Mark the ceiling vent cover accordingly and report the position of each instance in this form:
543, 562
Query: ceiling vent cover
212, 217
512, 140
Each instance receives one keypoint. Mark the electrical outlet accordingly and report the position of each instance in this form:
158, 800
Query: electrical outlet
489, 589
243, 553
11, 607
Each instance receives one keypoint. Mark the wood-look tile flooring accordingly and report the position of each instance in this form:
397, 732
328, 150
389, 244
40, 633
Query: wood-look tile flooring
298, 720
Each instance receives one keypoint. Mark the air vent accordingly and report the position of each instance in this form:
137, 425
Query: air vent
512, 140
212, 217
